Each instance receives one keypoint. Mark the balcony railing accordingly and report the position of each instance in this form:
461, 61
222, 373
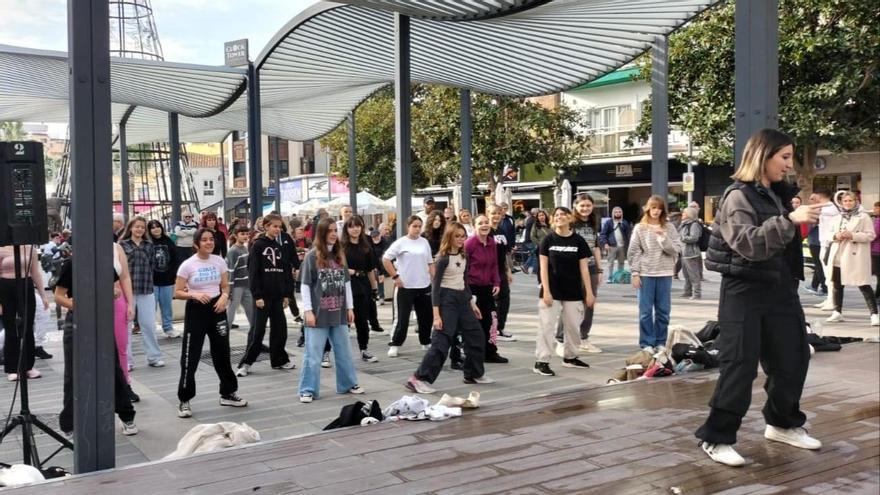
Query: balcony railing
610, 142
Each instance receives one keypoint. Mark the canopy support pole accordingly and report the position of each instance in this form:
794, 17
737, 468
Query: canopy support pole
402, 115
352, 164
174, 143
255, 155
466, 141
123, 172
660, 118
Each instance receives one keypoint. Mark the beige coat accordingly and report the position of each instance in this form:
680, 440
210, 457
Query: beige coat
855, 254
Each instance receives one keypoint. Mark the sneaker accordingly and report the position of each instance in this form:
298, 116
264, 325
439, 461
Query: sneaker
368, 357
325, 361
418, 386
695, 297
184, 411
574, 363
243, 370
506, 336
819, 305
543, 369
393, 350
377, 329
588, 347
357, 390
425, 347
33, 373
722, 453
456, 365
132, 396
129, 428
660, 348
649, 349
157, 364
835, 317
290, 365
174, 334
234, 326
41, 353
497, 358
796, 437
875, 320
12, 377
135, 329
483, 380
305, 399
232, 400
827, 307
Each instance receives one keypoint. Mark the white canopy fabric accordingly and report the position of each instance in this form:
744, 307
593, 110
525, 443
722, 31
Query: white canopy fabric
310, 207
367, 204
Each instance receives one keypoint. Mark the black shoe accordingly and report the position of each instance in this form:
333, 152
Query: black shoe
574, 363
457, 365
233, 326
41, 353
543, 369
133, 396
377, 329
496, 359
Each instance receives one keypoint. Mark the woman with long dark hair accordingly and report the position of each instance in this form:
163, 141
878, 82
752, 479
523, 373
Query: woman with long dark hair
361, 269
435, 225
209, 221
203, 282
755, 247
410, 264
328, 306
165, 265
455, 314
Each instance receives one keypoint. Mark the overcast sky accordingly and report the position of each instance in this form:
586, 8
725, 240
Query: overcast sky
190, 30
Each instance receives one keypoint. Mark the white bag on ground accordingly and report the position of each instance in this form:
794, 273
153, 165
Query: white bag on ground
214, 436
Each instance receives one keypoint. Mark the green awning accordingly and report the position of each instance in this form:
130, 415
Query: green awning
616, 77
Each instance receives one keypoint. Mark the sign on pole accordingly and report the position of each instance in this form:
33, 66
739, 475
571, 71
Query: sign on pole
687, 182
235, 53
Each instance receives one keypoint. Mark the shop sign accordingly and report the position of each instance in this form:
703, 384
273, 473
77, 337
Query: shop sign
238, 154
625, 170
687, 182
235, 53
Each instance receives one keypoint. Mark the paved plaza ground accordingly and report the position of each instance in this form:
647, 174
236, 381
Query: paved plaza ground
276, 413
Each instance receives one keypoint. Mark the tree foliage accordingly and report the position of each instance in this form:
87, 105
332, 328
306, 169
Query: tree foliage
829, 96
12, 131
506, 132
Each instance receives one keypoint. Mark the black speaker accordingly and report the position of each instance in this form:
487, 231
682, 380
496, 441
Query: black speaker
23, 218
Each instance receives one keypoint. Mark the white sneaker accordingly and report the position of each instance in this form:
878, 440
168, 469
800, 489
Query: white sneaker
722, 453
425, 347
588, 347
796, 437
243, 370
649, 349
819, 305
659, 349
875, 320
483, 380
129, 429
305, 399
835, 317
827, 307
392, 350
325, 360
418, 386
290, 365
507, 337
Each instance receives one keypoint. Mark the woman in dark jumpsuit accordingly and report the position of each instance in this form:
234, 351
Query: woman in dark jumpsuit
756, 247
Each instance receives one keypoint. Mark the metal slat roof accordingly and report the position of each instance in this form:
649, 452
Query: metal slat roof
447, 10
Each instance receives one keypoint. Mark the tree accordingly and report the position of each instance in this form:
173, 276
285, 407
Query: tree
829, 96
12, 131
506, 132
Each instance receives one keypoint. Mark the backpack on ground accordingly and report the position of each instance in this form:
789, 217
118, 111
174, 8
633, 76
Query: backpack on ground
621, 276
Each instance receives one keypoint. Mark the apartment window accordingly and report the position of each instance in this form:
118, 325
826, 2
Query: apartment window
208, 184
238, 170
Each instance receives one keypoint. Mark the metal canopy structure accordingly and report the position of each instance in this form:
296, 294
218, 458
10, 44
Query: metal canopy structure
449, 10
34, 86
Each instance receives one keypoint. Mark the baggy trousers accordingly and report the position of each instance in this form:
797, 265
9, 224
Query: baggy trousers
123, 406
486, 303
572, 313
763, 325
458, 318
200, 321
503, 303
241, 296
405, 299
618, 254
361, 318
586, 323
14, 304
273, 311
818, 281
693, 276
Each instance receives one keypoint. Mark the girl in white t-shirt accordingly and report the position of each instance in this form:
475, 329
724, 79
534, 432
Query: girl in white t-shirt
203, 281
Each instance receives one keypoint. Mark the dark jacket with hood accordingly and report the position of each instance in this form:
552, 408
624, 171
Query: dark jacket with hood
268, 270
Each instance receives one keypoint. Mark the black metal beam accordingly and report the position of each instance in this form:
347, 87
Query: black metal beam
276, 169
756, 62
91, 199
352, 163
123, 172
255, 155
660, 118
174, 143
402, 120
466, 142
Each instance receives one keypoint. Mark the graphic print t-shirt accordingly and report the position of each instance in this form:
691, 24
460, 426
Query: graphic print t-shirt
327, 286
203, 276
586, 231
564, 254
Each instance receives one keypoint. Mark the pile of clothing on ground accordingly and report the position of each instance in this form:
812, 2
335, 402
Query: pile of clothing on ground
408, 408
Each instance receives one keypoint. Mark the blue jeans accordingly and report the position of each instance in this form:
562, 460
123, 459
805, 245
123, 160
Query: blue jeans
654, 304
310, 377
164, 295
146, 318
532, 261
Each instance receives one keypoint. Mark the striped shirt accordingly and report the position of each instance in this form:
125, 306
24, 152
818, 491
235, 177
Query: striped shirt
651, 255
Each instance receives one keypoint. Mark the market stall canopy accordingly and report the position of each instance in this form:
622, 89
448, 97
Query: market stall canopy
367, 204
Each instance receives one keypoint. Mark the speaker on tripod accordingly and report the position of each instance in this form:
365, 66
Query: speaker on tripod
23, 222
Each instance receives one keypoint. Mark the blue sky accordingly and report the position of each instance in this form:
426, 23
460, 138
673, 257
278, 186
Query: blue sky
190, 30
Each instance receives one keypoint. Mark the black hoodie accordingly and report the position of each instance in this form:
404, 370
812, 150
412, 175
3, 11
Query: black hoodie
268, 270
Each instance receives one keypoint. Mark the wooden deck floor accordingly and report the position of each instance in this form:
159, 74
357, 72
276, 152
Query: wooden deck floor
630, 438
